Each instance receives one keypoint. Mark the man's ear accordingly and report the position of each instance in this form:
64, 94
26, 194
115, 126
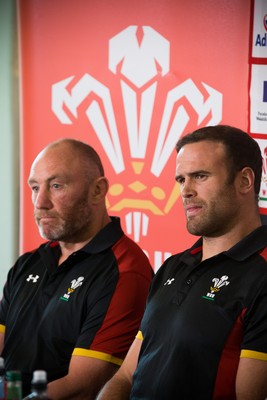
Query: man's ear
99, 189
246, 180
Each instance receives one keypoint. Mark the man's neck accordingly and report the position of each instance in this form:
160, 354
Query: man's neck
215, 245
68, 248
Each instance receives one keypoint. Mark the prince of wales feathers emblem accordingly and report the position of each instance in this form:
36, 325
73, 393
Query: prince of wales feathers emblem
218, 284
75, 283
140, 59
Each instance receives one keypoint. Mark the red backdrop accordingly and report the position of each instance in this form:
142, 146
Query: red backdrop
129, 78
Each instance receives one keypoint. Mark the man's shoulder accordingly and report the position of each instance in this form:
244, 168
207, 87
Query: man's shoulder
130, 255
31, 255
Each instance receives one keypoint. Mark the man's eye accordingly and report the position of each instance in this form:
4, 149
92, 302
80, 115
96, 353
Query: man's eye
200, 176
180, 180
34, 189
56, 185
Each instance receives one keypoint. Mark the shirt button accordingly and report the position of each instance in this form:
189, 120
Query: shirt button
189, 281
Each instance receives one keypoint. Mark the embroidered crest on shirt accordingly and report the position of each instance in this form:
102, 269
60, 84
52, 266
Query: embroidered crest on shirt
218, 284
75, 283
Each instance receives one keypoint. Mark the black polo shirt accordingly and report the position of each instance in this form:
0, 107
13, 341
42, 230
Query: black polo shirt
200, 318
90, 305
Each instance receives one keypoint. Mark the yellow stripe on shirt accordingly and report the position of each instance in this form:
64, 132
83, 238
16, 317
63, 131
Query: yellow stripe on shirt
257, 355
139, 335
97, 354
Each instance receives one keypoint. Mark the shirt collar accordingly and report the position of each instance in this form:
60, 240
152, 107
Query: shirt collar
106, 238
103, 240
251, 244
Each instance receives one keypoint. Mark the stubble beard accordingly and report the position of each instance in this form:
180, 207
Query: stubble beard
198, 226
217, 216
70, 226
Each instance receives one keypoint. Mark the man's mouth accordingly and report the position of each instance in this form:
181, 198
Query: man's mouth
192, 210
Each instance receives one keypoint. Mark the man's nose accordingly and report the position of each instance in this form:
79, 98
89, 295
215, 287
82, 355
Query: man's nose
187, 189
42, 199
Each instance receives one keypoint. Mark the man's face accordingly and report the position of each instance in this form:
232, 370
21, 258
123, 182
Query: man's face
60, 195
211, 203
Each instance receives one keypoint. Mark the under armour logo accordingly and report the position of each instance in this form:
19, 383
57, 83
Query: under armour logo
32, 278
169, 282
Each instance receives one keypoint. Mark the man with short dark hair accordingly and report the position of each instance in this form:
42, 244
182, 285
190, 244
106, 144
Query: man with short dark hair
204, 331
